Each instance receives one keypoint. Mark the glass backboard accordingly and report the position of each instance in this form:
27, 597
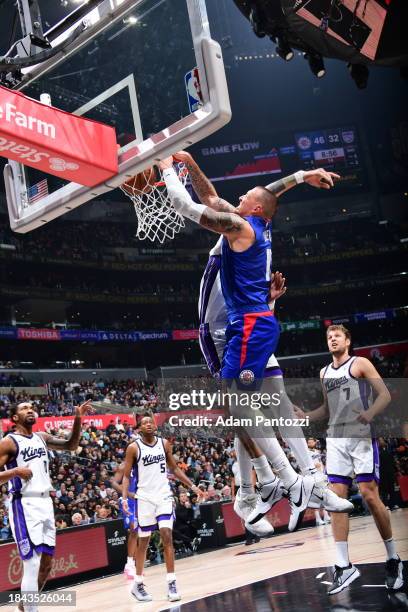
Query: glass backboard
150, 69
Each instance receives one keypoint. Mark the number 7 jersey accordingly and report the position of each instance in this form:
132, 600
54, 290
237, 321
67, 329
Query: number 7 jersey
347, 397
150, 470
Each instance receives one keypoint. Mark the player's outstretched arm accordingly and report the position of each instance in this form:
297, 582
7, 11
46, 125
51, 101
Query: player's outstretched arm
72, 442
363, 368
319, 178
7, 451
203, 187
177, 472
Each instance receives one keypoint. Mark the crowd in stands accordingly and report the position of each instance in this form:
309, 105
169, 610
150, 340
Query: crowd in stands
93, 242
82, 480
61, 396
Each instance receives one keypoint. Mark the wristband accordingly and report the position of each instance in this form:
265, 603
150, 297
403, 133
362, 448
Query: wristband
299, 176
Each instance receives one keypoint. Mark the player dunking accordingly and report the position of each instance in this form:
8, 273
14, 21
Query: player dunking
252, 332
347, 384
150, 456
24, 455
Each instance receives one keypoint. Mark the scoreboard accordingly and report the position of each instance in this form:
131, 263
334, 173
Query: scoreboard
265, 157
333, 149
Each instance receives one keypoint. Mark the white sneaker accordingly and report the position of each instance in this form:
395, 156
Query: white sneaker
320, 523
299, 494
139, 591
172, 593
244, 506
342, 578
268, 495
323, 497
243, 502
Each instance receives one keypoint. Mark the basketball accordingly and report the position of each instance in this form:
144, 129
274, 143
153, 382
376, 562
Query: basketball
142, 182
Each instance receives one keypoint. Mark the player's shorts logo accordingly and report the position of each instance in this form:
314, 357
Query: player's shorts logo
24, 546
247, 377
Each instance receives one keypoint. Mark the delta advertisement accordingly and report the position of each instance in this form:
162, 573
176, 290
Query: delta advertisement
88, 335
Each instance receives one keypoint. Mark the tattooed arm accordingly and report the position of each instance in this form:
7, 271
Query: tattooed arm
319, 178
203, 187
230, 224
222, 222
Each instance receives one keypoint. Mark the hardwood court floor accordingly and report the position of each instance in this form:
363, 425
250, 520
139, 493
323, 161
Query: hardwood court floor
235, 566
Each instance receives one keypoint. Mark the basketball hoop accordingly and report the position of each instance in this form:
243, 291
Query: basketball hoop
157, 219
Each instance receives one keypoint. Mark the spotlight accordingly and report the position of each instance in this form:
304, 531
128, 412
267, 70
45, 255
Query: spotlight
316, 64
283, 50
359, 73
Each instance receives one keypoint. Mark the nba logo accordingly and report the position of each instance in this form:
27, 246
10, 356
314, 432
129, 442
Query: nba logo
193, 89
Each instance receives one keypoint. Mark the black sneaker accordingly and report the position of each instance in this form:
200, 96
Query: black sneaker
342, 577
394, 570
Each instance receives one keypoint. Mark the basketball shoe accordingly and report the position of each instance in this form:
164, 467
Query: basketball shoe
299, 494
244, 506
268, 495
394, 570
323, 497
342, 578
139, 591
172, 593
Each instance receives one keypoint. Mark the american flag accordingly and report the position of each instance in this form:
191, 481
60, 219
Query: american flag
37, 191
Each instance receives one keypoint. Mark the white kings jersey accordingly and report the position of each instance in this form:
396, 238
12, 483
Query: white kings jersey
347, 397
151, 471
33, 454
316, 456
216, 314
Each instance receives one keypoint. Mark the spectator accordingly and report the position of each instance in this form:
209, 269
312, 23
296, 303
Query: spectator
185, 530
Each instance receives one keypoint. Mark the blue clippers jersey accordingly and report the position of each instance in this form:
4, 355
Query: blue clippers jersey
133, 481
246, 276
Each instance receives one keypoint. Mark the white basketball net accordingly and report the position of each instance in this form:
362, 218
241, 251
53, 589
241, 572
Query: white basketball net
157, 219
